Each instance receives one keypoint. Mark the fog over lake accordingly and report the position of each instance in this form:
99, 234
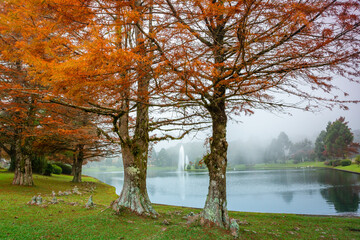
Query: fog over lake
263, 125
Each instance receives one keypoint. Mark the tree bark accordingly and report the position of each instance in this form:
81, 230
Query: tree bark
77, 164
215, 210
134, 194
23, 171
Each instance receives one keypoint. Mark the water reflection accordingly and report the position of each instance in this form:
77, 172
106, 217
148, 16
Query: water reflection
182, 176
287, 196
305, 191
343, 191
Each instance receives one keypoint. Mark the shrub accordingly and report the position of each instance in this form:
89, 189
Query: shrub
38, 164
335, 163
48, 170
327, 163
56, 169
346, 162
65, 168
357, 160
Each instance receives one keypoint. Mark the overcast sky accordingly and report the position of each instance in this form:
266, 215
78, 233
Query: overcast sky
299, 125
262, 126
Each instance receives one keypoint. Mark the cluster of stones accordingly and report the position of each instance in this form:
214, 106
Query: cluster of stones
36, 200
90, 186
54, 199
75, 190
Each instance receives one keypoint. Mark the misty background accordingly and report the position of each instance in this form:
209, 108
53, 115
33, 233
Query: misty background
250, 136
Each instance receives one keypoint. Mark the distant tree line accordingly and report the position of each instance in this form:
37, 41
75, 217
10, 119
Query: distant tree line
337, 141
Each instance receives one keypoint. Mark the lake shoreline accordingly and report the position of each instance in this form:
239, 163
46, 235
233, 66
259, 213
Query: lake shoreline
52, 221
280, 166
302, 190
296, 214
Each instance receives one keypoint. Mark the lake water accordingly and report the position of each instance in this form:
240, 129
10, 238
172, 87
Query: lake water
302, 191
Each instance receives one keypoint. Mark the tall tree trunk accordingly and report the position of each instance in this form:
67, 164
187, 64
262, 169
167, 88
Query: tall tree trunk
215, 210
23, 171
134, 194
77, 164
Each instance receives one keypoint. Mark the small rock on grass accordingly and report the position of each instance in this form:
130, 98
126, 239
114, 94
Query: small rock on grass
54, 200
192, 219
90, 203
32, 201
76, 190
234, 228
39, 200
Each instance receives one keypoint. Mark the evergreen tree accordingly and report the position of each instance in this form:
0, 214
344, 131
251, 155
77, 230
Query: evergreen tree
320, 147
338, 141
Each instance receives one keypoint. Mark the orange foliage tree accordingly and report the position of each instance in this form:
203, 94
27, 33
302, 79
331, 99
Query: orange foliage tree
216, 58
24, 122
76, 140
231, 57
19, 110
31, 127
30, 124
92, 56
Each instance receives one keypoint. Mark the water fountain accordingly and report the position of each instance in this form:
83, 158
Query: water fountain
182, 175
181, 163
183, 160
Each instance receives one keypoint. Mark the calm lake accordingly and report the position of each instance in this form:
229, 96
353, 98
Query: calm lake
302, 191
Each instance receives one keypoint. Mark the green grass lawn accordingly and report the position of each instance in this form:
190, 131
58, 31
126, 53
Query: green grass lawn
351, 168
71, 220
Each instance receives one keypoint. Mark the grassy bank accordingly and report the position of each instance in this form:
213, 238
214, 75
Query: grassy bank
352, 168
70, 220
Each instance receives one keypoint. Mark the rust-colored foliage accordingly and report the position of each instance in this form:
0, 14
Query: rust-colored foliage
231, 57
211, 58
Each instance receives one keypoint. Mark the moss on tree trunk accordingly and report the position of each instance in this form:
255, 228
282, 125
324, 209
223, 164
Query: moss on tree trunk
134, 194
215, 210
